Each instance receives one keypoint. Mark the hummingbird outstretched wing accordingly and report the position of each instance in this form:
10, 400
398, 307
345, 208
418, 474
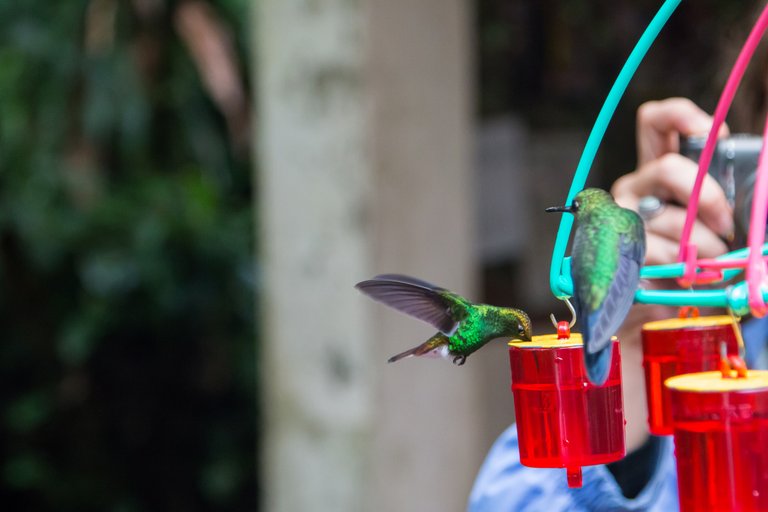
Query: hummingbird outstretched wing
420, 299
601, 318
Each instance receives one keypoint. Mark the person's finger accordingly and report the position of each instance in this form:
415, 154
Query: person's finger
659, 124
660, 250
669, 225
671, 178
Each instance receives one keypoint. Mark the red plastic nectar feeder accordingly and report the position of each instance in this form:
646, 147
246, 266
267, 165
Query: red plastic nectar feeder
677, 346
721, 441
563, 420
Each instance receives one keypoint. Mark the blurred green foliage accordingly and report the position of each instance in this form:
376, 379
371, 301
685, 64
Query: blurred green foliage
126, 272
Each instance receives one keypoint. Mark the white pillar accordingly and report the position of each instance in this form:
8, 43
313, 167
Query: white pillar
429, 414
363, 151
313, 179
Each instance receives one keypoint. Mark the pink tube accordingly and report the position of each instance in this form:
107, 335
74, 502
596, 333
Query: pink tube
723, 264
756, 237
688, 251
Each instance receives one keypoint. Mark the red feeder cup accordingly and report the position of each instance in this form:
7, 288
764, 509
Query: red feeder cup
677, 346
721, 441
563, 420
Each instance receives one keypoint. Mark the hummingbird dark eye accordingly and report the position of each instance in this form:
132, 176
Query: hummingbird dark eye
520, 329
575, 206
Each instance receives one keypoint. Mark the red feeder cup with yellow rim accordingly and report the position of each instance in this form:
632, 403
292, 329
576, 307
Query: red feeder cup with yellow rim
721, 440
563, 420
681, 345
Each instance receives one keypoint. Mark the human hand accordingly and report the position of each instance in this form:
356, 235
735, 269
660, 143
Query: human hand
663, 173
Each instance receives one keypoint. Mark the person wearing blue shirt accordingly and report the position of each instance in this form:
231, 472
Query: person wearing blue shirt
645, 480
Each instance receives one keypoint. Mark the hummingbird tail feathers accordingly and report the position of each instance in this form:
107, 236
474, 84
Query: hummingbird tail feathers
599, 365
402, 355
437, 346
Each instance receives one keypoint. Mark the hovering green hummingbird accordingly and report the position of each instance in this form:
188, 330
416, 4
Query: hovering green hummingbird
608, 251
463, 326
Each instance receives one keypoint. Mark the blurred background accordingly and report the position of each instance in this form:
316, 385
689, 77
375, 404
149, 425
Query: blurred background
189, 189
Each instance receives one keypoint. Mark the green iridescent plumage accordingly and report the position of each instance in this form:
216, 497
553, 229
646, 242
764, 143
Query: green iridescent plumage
608, 251
604, 227
464, 327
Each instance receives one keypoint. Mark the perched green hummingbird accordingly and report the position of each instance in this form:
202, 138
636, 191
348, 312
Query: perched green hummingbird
608, 251
463, 326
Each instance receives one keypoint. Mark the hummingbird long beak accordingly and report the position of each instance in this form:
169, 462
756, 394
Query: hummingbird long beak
552, 209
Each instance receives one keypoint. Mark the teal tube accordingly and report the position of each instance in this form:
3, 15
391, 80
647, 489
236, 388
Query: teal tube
670, 271
741, 253
701, 298
734, 297
675, 270
559, 288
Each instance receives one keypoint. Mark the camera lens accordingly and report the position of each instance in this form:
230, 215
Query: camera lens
734, 164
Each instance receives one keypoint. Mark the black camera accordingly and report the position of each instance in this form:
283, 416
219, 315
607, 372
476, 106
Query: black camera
734, 166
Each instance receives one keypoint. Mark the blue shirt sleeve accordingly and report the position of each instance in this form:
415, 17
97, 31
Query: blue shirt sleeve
505, 485
754, 332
